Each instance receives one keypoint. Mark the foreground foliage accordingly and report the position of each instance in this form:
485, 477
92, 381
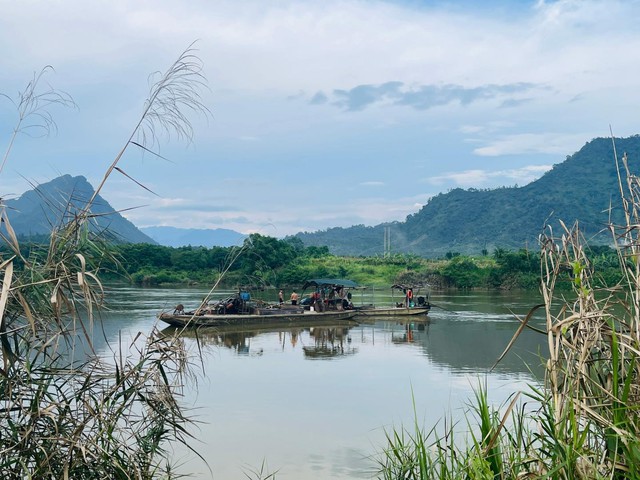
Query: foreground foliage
65, 410
68, 412
586, 424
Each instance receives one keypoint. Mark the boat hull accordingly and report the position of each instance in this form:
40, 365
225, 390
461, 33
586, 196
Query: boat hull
392, 311
283, 319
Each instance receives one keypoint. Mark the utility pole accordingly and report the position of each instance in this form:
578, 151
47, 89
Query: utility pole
387, 242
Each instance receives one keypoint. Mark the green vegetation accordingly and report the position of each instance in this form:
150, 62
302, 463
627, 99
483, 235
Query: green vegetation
583, 186
583, 422
66, 413
267, 261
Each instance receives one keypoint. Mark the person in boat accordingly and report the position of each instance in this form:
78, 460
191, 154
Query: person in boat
281, 297
316, 301
409, 301
332, 299
342, 302
294, 298
323, 299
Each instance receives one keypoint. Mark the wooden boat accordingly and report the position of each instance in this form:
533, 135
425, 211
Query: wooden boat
392, 311
413, 304
241, 309
283, 318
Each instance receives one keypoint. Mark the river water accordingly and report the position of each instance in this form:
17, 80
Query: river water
314, 403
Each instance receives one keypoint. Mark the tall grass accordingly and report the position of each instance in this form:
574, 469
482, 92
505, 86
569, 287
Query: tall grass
586, 422
65, 411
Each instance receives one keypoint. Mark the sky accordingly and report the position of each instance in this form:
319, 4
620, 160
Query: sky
320, 114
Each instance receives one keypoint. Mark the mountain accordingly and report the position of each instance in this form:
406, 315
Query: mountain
35, 212
584, 187
178, 237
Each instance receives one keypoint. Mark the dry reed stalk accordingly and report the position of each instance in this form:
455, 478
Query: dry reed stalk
594, 339
60, 418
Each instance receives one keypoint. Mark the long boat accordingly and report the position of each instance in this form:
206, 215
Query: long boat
241, 309
373, 311
283, 318
413, 304
330, 302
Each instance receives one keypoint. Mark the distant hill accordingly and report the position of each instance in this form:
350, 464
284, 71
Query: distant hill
583, 187
179, 237
37, 211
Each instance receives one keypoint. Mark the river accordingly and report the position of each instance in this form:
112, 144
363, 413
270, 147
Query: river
315, 403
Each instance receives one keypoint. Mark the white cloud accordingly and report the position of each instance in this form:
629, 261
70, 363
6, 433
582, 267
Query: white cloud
487, 128
487, 179
467, 129
260, 162
527, 143
466, 178
337, 44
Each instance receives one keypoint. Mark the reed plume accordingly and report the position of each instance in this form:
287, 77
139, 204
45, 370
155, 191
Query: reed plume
586, 423
67, 411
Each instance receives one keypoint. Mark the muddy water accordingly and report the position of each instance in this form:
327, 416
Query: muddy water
313, 403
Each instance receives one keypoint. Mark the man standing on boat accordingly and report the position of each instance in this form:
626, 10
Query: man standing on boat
409, 299
281, 297
294, 298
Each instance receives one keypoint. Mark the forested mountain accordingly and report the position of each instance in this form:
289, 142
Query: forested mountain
37, 211
584, 187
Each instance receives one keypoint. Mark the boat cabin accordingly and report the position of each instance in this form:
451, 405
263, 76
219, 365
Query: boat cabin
328, 294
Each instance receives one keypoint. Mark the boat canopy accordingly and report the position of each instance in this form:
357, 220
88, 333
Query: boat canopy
329, 282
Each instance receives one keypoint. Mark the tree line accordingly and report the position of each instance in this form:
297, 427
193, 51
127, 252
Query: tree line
264, 261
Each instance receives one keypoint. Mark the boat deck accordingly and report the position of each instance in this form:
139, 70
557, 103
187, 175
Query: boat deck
282, 318
392, 311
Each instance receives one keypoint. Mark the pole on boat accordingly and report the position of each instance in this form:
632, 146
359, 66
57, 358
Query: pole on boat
443, 308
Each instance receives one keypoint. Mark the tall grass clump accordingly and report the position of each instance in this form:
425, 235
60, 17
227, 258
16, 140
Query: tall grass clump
65, 410
582, 421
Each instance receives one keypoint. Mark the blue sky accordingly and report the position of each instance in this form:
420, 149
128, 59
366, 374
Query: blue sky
323, 113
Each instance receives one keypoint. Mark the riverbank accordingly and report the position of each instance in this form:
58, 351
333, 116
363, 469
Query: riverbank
269, 262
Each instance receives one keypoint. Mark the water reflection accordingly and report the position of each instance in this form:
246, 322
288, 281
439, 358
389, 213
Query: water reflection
314, 400
461, 343
411, 332
472, 345
329, 343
